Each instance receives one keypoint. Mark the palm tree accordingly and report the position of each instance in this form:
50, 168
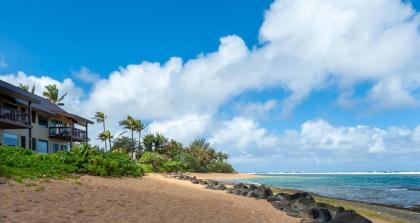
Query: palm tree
106, 136
100, 118
131, 124
140, 126
26, 88
51, 93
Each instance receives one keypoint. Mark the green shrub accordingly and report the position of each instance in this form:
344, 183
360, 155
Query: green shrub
220, 167
174, 166
146, 168
84, 159
156, 160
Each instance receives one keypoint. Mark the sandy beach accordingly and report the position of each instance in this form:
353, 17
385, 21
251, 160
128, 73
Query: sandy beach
153, 198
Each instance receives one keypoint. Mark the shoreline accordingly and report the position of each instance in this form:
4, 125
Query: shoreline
389, 213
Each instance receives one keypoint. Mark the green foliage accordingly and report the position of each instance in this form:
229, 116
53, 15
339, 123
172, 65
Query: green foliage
172, 157
174, 166
123, 144
83, 159
220, 167
156, 160
147, 168
155, 143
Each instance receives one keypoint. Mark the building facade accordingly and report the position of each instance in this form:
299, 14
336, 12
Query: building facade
30, 121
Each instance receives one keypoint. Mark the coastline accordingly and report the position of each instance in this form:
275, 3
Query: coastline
375, 212
156, 198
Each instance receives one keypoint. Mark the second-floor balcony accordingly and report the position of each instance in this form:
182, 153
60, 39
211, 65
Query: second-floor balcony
13, 119
67, 132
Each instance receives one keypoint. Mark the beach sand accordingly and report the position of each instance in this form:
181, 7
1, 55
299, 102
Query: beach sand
152, 199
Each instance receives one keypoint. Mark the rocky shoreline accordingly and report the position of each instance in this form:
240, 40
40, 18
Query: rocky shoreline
300, 204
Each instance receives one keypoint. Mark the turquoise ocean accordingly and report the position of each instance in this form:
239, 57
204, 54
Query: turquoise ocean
399, 189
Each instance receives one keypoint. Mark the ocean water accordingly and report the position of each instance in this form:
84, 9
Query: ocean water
400, 189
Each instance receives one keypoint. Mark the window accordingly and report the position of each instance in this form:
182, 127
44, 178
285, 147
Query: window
10, 139
56, 147
33, 144
43, 121
23, 141
33, 116
42, 146
64, 147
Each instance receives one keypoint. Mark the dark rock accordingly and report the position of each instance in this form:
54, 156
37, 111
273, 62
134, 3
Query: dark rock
220, 187
319, 213
333, 210
240, 186
280, 204
349, 216
229, 190
253, 193
2, 181
271, 198
194, 181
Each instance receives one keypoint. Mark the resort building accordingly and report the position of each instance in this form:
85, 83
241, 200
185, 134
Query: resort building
30, 121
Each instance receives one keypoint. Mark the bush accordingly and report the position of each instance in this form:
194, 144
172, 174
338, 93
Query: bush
220, 167
156, 160
146, 168
174, 166
84, 159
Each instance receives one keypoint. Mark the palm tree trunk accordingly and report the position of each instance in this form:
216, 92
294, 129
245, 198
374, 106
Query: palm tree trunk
132, 140
140, 141
103, 123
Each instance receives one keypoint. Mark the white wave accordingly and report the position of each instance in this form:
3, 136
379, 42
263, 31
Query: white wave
397, 189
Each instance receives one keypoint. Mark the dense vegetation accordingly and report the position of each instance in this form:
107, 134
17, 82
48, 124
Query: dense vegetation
156, 153
82, 159
159, 154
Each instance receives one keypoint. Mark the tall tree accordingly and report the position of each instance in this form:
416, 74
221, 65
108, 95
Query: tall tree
100, 118
131, 124
26, 88
52, 93
140, 126
106, 136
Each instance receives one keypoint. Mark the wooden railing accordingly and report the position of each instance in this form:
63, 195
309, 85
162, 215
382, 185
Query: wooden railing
14, 115
66, 131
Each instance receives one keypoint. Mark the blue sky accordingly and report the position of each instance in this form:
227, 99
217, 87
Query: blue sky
245, 67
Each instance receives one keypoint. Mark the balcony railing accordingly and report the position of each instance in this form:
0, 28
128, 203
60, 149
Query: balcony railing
67, 132
14, 116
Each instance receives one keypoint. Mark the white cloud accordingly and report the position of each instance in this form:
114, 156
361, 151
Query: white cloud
305, 46
246, 139
256, 110
184, 129
85, 75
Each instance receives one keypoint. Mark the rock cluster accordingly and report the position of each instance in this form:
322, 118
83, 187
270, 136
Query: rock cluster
301, 204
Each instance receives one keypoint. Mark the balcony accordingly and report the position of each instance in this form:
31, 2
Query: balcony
67, 132
13, 119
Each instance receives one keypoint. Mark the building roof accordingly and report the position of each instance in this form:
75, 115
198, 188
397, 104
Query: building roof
16, 92
40, 103
50, 108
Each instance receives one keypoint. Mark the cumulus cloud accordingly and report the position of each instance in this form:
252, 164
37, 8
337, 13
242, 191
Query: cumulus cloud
85, 75
247, 140
304, 46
